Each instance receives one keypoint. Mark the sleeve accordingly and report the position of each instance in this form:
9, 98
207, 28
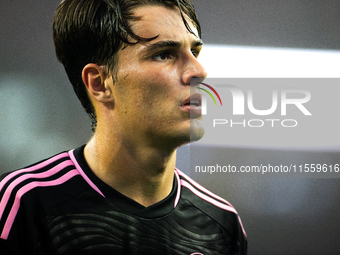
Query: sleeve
220, 210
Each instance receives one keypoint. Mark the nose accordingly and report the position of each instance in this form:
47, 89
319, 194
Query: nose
193, 69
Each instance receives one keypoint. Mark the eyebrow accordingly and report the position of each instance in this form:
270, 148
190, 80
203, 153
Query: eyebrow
169, 44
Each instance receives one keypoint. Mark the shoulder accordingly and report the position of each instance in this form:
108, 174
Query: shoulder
215, 207
48, 172
24, 187
198, 191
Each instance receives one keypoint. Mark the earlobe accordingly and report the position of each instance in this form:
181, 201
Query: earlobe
94, 78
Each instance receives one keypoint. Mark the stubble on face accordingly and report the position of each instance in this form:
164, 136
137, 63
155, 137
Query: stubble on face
151, 82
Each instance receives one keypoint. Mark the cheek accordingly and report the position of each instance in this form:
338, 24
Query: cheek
162, 85
149, 88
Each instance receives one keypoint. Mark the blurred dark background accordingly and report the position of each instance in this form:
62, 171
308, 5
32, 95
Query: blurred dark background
41, 116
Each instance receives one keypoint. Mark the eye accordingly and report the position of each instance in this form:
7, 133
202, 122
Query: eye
162, 56
195, 53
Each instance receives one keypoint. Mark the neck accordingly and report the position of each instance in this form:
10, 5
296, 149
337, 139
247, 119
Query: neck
143, 174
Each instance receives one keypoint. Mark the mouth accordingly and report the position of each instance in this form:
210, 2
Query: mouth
192, 105
193, 100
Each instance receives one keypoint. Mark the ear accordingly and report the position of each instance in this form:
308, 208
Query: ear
96, 81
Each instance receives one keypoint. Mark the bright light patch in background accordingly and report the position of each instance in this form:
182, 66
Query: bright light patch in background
221, 61
256, 62
37, 120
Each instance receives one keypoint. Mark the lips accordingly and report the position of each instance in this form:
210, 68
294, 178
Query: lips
192, 105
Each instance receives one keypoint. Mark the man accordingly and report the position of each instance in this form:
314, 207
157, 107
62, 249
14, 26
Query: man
130, 63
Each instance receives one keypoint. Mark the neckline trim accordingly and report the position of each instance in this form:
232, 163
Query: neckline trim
120, 201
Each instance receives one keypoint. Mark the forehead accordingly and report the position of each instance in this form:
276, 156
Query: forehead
160, 20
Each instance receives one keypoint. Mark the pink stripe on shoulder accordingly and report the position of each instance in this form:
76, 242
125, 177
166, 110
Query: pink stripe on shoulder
225, 205
214, 202
207, 198
198, 186
32, 168
82, 173
17, 181
23, 190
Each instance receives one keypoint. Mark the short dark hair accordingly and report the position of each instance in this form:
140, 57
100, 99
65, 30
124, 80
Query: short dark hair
92, 31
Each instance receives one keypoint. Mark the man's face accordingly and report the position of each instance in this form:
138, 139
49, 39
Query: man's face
152, 85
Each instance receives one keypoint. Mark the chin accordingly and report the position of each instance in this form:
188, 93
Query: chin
196, 130
190, 133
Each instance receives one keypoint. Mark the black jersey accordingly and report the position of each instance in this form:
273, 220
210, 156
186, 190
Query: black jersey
58, 206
